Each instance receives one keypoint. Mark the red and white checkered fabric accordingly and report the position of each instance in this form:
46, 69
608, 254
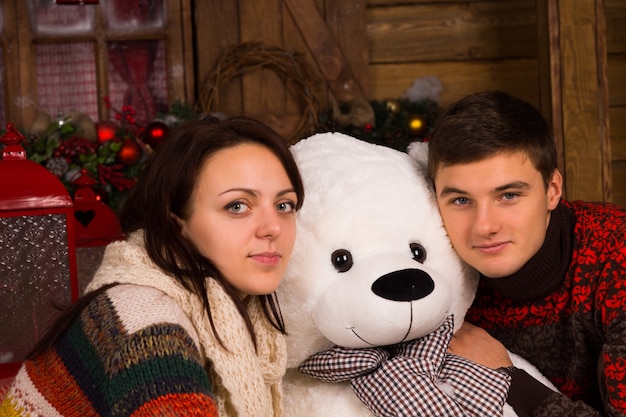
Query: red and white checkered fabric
415, 378
66, 78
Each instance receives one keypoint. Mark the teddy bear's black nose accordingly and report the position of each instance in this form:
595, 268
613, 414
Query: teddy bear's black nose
404, 285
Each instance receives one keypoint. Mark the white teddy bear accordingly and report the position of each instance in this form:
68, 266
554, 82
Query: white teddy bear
374, 291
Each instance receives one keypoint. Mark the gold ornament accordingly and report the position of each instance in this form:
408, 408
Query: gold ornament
417, 124
393, 106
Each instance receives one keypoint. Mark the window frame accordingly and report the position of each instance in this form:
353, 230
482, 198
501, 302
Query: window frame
19, 41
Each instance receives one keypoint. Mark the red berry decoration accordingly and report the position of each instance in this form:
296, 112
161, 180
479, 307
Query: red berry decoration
129, 153
106, 130
154, 133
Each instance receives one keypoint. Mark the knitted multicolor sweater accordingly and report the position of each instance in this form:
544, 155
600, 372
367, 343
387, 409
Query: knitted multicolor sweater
565, 312
114, 361
145, 347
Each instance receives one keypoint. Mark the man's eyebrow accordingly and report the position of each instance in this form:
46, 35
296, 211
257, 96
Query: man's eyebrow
513, 185
517, 185
450, 190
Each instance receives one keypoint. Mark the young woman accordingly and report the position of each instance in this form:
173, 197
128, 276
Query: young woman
181, 318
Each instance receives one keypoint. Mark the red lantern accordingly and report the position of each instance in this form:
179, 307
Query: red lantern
129, 153
96, 226
155, 132
38, 267
106, 130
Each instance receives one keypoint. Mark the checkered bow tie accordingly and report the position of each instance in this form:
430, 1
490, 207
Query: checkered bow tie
414, 378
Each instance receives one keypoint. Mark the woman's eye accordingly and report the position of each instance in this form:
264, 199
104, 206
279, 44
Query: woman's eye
286, 207
237, 207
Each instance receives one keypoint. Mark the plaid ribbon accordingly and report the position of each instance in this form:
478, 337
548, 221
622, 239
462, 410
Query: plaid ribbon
414, 378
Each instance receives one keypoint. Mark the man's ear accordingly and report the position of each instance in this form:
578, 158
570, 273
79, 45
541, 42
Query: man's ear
555, 190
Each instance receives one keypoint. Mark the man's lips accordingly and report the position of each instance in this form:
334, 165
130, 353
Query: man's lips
491, 248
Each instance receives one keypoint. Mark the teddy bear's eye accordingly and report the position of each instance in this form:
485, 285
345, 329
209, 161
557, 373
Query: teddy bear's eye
342, 260
418, 251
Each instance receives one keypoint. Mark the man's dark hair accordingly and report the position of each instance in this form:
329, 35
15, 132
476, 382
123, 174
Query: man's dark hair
484, 124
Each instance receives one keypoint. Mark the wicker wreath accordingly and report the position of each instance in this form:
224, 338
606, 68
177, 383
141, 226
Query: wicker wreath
301, 79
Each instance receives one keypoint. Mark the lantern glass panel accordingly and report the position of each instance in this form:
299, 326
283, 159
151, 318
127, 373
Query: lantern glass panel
34, 280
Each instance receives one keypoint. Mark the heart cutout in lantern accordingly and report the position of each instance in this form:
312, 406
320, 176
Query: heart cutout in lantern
85, 216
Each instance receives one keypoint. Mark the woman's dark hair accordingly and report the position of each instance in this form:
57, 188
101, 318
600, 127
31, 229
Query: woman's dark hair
165, 188
487, 123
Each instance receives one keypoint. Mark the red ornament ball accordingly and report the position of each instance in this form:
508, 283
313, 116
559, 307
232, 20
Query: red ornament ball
155, 133
105, 130
129, 153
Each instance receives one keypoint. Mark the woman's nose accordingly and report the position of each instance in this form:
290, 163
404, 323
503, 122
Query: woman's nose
270, 224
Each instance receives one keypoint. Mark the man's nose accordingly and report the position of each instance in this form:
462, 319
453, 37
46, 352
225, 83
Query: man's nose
487, 220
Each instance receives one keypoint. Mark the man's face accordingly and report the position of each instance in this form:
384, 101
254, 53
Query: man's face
496, 211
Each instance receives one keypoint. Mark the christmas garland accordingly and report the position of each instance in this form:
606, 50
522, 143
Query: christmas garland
398, 122
112, 152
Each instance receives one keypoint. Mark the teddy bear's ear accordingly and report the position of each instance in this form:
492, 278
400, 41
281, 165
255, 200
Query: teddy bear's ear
419, 151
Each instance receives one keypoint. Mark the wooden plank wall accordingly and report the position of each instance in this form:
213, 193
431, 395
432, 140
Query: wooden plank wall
469, 45
573, 70
615, 11
222, 23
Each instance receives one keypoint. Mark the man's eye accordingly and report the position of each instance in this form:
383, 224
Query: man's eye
237, 207
509, 196
460, 201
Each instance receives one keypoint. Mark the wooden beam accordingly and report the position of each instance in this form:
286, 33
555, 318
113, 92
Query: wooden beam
264, 91
216, 29
549, 65
575, 73
347, 20
325, 49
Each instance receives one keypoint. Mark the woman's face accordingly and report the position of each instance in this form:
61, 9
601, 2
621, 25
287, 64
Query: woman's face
243, 217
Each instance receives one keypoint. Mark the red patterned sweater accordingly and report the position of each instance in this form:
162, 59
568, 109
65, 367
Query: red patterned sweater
565, 312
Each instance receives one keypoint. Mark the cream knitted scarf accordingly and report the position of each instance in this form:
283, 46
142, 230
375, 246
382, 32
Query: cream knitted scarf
245, 383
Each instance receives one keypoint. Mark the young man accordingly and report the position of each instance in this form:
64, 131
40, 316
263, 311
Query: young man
553, 272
